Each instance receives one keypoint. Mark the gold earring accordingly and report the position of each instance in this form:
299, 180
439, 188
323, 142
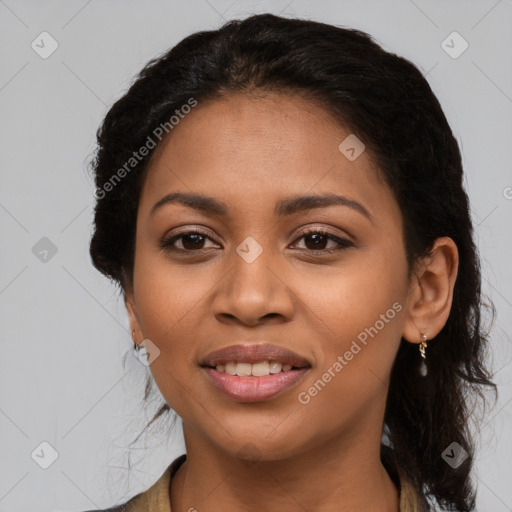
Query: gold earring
422, 347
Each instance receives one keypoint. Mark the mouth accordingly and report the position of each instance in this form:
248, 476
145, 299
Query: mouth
253, 373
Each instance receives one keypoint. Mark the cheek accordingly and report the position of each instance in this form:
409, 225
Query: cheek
354, 362
169, 296
168, 302
358, 314
167, 305
351, 298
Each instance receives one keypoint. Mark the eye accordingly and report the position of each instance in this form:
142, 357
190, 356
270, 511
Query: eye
191, 241
319, 238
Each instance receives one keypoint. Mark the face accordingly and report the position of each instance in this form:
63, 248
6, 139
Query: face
325, 281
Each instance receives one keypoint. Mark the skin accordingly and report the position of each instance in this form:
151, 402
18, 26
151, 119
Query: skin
250, 151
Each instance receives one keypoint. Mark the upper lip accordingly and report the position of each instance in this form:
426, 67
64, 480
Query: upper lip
254, 353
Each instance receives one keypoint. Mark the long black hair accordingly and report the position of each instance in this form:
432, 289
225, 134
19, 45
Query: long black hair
387, 103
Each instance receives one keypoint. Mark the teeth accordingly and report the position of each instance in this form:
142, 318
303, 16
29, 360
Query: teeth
230, 368
275, 367
260, 369
243, 369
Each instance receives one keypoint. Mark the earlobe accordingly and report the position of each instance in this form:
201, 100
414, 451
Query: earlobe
431, 291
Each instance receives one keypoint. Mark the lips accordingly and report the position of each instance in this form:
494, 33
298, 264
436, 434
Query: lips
254, 372
254, 389
254, 353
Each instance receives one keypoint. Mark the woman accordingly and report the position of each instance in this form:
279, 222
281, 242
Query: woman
281, 204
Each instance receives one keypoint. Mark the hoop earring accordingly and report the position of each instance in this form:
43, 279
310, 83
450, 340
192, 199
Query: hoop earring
423, 345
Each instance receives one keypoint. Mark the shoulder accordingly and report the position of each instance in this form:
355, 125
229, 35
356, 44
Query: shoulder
125, 507
120, 508
154, 499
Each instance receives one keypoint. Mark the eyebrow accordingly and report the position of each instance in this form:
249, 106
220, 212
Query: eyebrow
284, 207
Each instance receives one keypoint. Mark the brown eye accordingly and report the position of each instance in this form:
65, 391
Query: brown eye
190, 241
316, 241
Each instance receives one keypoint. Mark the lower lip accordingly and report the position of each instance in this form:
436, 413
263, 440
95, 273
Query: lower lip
255, 389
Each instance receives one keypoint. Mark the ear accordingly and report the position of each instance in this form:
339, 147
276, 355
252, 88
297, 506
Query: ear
135, 328
431, 291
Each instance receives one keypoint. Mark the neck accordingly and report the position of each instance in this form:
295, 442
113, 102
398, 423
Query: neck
337, 476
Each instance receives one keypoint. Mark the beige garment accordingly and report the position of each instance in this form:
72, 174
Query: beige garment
156, 498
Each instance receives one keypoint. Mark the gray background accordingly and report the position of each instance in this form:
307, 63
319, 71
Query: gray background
63, 329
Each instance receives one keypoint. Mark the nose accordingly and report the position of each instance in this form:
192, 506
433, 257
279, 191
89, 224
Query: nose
254, 292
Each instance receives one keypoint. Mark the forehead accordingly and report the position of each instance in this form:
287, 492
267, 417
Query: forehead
254, 149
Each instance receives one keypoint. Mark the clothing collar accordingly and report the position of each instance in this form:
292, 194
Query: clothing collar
156, 498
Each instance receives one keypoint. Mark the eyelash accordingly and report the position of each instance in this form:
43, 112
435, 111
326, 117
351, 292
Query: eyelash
166, 243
